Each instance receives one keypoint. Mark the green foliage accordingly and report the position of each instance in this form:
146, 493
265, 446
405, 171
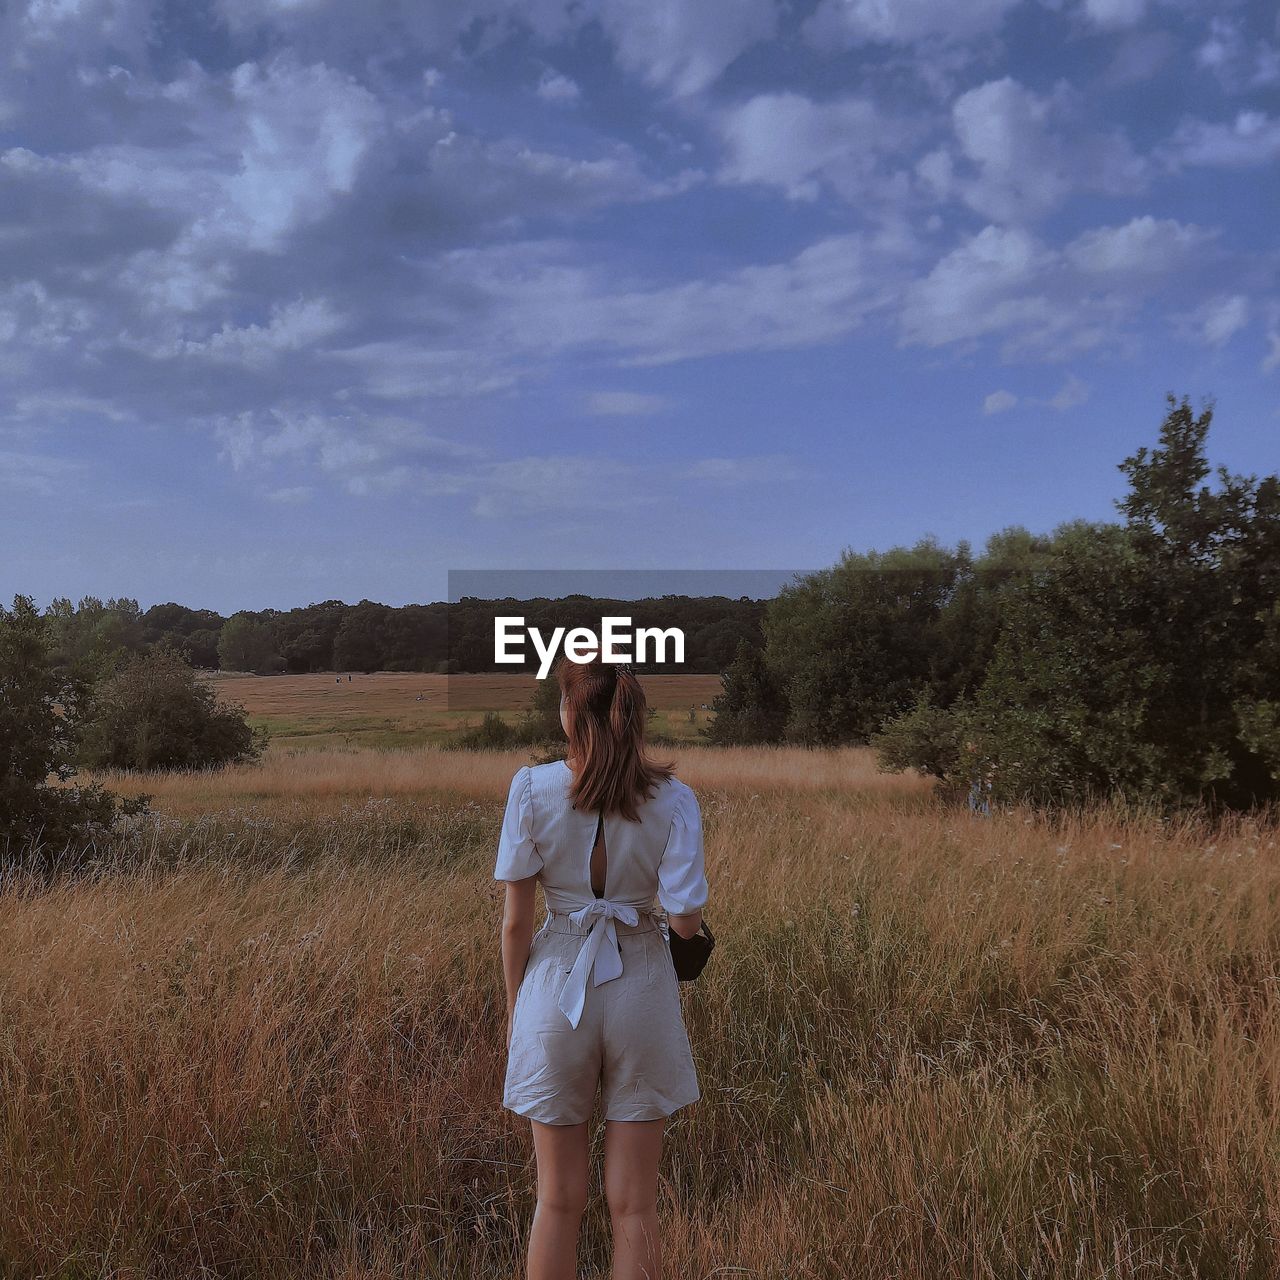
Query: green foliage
1136, 662
42, 819
1142, 664
361, 637
933, 739
248, 644
851, 645
157, 713
541, 719
752, 707
493, 733
538, 726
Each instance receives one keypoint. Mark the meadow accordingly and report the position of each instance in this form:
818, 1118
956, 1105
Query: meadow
262, 1037
407, 708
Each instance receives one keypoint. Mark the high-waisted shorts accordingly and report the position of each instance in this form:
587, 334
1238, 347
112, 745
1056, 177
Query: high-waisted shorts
631, 1041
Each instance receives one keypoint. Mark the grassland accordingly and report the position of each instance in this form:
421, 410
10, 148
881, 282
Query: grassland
264, 1038
401, 709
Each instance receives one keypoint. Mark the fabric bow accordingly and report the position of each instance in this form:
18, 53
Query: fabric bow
594, 956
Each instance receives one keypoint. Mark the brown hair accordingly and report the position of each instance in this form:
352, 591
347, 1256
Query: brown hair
606, 713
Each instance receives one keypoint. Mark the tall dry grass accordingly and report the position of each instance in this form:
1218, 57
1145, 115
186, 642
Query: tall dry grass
267, 1041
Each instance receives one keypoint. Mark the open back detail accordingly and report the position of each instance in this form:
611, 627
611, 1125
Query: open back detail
577, 855
599, 861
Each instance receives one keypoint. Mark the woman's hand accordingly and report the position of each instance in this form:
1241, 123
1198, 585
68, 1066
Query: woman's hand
511, 1013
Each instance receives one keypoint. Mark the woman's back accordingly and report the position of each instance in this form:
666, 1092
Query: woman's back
660, 855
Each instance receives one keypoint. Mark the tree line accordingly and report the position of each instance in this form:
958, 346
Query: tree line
1136, 660
95, 635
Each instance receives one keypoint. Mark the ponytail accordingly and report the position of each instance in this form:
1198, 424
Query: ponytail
607, 713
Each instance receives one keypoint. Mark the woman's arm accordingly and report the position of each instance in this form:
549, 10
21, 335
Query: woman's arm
517, 937
687, 925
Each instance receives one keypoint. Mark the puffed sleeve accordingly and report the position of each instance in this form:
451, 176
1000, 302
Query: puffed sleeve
682, 881
518, 856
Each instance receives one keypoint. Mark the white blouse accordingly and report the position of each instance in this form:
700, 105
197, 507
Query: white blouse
543, 835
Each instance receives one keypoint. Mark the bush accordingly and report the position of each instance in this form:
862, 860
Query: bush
41, 821
935, 740
493, 733
157, 713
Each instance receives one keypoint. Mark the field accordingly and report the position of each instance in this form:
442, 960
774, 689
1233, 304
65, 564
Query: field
264, 1038
401, 709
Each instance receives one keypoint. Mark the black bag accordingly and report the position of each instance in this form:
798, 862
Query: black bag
690, 955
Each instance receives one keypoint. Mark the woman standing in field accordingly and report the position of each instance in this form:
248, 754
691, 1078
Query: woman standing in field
592, 997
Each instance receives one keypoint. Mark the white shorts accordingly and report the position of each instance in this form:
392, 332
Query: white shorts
631, 1042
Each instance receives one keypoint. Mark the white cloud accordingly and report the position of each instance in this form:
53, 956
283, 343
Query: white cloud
554, 87
681, 46
983, 286
1272, 359
1252, 138
819, 294
292, 495
1029, 154
1048, 303
293, 326
1114, 14
1074, 391
1142, 246
1222, 318
797, 144
849, 22
1240, 62
999, 402
625, 404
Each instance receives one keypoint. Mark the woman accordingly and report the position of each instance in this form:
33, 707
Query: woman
592, 997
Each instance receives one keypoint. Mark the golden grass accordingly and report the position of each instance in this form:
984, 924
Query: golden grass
318, 779
399, 708
267, 1041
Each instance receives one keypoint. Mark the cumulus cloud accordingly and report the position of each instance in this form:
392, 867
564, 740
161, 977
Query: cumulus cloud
850, 22
999, 402
1143, 246
683, 47
1252, 138
1047, 303
1241, 61
1020, 153
792, 142
553, 87
1113, 14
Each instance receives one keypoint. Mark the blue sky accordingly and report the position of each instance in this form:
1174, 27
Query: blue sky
304, 300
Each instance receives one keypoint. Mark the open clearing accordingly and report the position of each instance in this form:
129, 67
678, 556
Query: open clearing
398, 709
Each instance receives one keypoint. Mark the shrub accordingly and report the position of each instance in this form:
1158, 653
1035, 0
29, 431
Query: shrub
40, 820
157, 713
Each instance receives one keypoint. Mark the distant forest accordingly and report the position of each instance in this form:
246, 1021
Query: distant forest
334, 636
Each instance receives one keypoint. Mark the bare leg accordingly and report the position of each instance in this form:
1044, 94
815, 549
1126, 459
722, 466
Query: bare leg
632, 1149
561, 1151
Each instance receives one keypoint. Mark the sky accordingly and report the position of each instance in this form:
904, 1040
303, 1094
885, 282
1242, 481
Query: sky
304, 300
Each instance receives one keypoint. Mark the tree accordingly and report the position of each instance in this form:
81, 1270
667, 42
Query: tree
752, 708
157, 713
38, 709
247, 644
850, 646
361, 638
1143, 661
